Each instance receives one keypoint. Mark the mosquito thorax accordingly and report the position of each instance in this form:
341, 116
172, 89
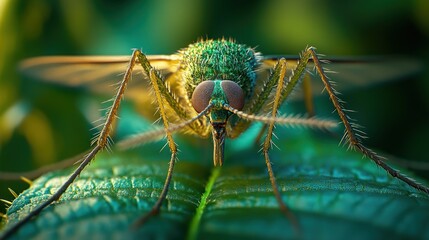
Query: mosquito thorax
219, 59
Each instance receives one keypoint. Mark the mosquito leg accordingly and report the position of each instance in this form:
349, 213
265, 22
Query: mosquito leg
308, 99
173, 101
281, 68
101, 143
351, 133
154, 78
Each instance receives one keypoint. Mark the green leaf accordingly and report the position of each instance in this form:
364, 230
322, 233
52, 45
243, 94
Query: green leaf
334, 193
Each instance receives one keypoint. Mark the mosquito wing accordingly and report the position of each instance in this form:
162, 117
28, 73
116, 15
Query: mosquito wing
353, 73
97, 73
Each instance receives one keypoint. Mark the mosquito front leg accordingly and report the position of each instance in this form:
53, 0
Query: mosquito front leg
155, 79
308, 99
351, 134
101, 143
174, 102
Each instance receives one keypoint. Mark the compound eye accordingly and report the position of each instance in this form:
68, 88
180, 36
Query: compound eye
234, 94
202, 95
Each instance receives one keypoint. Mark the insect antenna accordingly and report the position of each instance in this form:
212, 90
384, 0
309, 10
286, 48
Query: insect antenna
285, 120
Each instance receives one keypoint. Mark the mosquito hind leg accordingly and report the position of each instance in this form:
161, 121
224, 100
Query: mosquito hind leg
351, 134
101, 142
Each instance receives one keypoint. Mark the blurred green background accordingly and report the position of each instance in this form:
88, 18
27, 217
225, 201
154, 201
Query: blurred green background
41, 123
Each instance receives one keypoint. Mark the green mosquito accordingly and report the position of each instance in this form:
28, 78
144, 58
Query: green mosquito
212, 87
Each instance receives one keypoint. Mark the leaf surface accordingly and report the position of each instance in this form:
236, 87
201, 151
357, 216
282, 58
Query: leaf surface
334, 193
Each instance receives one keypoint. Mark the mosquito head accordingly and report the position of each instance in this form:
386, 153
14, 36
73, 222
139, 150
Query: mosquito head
218, 93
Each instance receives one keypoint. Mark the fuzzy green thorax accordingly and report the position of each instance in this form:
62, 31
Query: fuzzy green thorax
219, 59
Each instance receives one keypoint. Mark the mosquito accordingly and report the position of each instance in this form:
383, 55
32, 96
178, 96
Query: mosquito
211, 87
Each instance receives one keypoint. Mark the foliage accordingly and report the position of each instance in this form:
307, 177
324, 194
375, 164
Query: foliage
334, 193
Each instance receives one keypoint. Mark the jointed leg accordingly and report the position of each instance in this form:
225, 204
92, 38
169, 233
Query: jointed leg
173, 148
308, 99
351, 133
281, 66
101, 143
170, 98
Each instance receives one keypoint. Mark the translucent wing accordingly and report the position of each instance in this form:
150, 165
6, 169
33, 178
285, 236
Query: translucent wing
97, 73
354, 73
